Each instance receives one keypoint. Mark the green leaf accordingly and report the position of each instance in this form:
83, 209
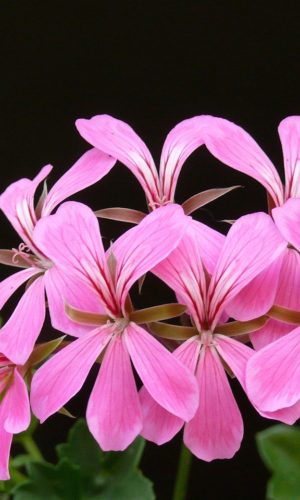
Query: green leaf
279, 448
119, 463
105, 475
82, 450
133, 486
21, 460
50, 482
84, 472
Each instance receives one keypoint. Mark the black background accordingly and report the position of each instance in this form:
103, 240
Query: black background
151, 64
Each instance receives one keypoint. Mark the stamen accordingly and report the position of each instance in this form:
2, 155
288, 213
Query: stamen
156, 204
24, 253
21, 251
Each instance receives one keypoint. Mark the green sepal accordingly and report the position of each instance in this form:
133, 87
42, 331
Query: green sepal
41, 352
234, 328
284, 314
172, 332
65, 412
8, 257
121, 214
200, 199
84, 317
157, 313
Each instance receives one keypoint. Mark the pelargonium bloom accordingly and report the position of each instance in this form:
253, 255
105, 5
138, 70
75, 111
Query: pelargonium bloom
72, 240
235, 147
20, 332
273, 373
119, 140
14, 409
251, 245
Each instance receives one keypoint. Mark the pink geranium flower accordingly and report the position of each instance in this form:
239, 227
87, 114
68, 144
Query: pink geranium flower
273, 374
119, 140
72, 240
20, 332
236, 148
14, 409
216, 430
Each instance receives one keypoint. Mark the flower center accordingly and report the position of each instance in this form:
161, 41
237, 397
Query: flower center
207, 338
120, 324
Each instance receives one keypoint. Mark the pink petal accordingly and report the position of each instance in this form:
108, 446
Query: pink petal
72, 240
62, 376
273, 374
116, 138
14, 408
159, 425
256, 298
183, 272
168, 381
252, 244
6, 440
287, 219
210, 244
286, 415
216, 430
289, 280
114, 414
237, 356
62, 288
289, 132
236, 148
287, 295
17, 203
18, 335
140, 248
9, 285
271, 331
179, 145
90, 168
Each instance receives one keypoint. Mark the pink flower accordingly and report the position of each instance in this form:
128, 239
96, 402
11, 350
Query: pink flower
236, 148
14, 409
216, 430
20, 332
72, 240
273, 374
119, 140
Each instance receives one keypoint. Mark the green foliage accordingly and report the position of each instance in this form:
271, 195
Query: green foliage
279, 448
50, 482
83, 472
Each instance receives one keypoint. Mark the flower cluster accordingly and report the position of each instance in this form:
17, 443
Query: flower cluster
238, 295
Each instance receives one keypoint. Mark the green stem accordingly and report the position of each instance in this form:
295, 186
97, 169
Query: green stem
183, 471
17, 476
31, 448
